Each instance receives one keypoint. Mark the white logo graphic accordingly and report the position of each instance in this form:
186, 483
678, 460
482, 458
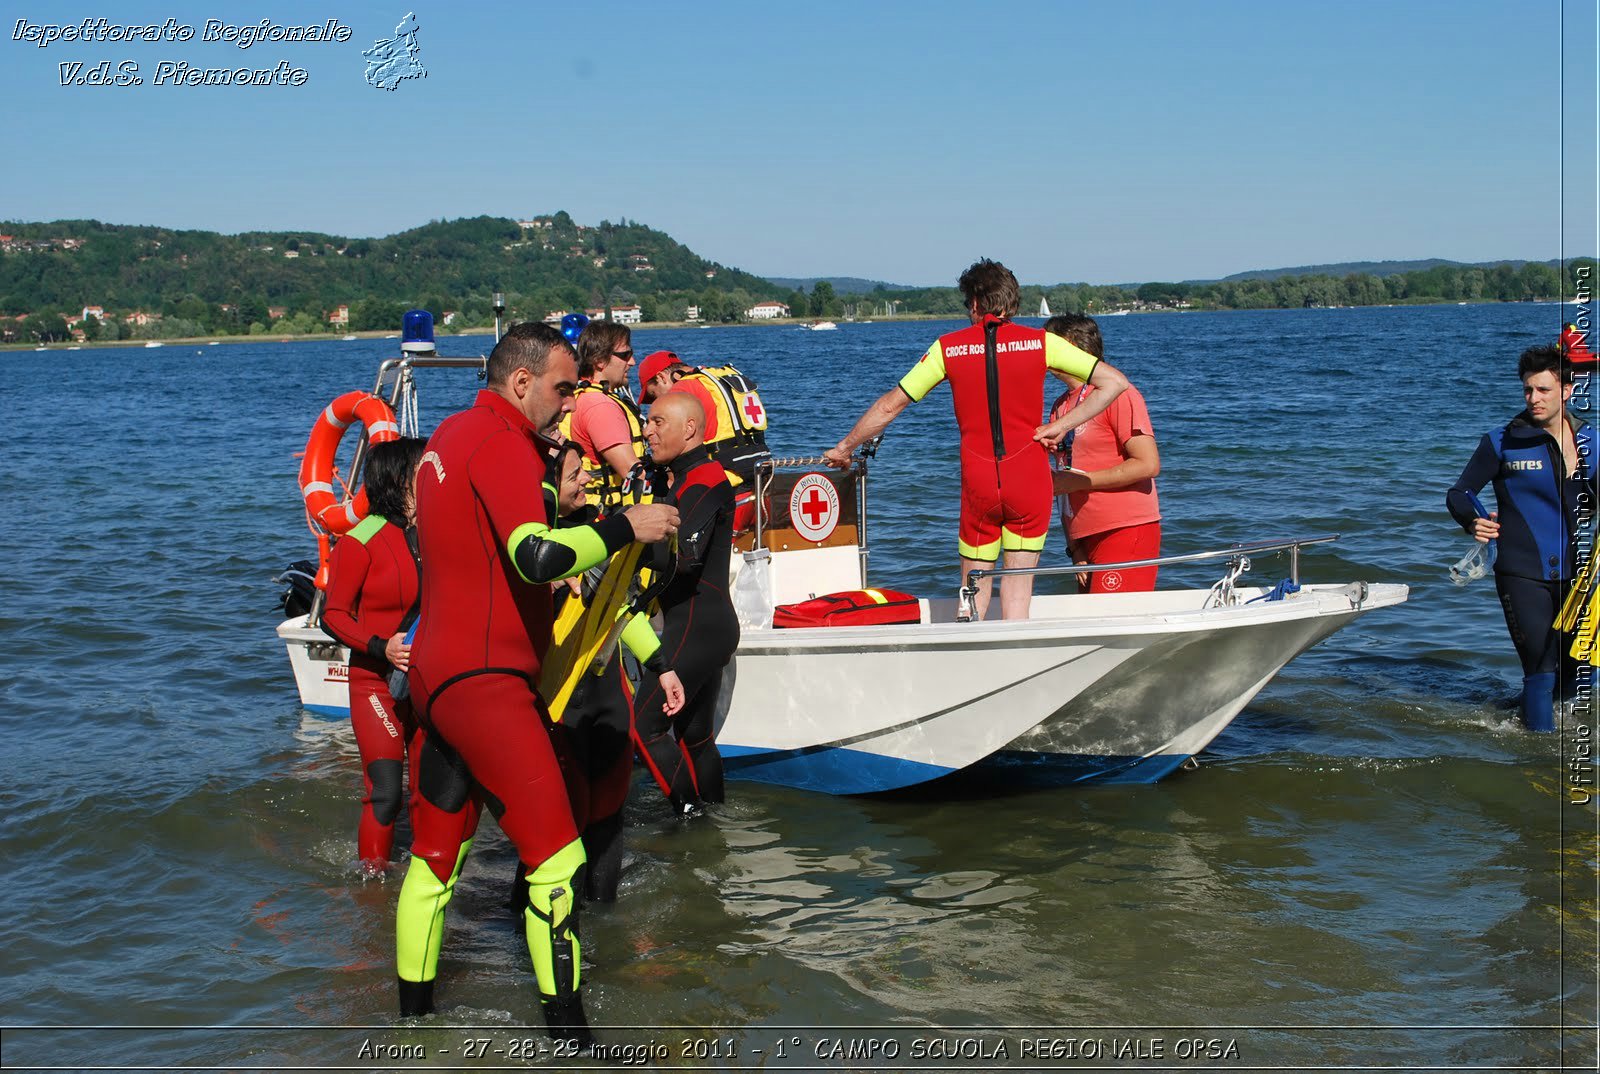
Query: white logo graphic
814, 507
391, 62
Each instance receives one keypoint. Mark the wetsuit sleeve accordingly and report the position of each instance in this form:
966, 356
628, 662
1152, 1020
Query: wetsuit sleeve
347, 573
542, 554
1063, 356
925, 375
640, 638
507, 475
1481, 468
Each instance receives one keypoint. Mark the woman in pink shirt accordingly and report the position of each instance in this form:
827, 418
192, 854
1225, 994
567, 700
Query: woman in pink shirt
1106, 475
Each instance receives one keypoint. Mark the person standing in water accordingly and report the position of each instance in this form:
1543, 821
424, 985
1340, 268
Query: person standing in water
1542, 466
372, 595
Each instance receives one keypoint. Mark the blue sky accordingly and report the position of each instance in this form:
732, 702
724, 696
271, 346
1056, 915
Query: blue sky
896, 141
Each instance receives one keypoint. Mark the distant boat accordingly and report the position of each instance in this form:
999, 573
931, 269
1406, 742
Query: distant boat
823, 326
153, 343
353, 336
213, 343
1044, 307
1114, 313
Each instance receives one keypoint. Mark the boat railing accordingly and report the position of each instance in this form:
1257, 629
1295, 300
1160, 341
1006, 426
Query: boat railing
858, 469
1237, 555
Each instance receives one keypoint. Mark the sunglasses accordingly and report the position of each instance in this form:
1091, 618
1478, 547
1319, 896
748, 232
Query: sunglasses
626, 356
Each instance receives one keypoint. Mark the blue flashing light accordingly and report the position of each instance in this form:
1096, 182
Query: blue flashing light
417, 333
572, 326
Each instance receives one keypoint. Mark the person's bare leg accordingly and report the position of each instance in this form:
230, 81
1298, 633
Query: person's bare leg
1016, 590
980, 601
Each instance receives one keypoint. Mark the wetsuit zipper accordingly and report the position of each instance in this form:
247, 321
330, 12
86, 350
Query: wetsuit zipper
992, 375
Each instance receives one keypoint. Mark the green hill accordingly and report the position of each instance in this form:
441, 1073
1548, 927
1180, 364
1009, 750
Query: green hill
227, 282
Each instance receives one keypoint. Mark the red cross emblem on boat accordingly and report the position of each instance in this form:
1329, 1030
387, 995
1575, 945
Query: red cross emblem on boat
814, 507
753, 408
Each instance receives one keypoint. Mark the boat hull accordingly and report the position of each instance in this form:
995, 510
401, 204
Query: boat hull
1114, 688
1124, 689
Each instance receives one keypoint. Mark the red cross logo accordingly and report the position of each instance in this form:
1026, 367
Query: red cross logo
814, 506
752, 408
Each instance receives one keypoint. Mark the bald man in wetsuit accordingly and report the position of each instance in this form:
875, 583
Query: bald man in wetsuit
699, 630
489, 555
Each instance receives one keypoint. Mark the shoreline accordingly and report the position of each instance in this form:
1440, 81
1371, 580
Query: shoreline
783, 322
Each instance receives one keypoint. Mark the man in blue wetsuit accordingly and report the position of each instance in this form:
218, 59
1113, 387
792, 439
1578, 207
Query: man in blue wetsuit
1542, 465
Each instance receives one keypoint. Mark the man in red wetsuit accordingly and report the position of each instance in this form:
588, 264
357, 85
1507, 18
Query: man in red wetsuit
489, 555
996, 371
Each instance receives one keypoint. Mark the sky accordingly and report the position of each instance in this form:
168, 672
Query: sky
896, 141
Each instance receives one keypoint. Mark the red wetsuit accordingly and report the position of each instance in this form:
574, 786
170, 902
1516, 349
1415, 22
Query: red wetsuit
484, 627
372, 584
996, 372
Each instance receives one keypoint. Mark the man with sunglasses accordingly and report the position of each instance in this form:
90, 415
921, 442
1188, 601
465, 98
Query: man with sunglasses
605, 421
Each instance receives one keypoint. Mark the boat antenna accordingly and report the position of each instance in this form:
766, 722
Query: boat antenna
499, 311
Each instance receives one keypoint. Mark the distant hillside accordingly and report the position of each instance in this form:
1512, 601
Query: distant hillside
221, 283
1368, 268
842, 285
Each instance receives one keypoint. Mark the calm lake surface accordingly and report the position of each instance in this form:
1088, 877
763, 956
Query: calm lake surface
1372, 867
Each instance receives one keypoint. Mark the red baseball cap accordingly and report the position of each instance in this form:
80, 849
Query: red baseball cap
655, 363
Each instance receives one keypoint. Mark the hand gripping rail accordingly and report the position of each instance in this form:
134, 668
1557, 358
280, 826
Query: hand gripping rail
1237, 556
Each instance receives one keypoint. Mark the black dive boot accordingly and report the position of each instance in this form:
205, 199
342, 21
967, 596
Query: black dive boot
517, 897
416, 998
602, 842
564, 1017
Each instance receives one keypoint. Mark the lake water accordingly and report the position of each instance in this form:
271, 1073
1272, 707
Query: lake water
1374, 866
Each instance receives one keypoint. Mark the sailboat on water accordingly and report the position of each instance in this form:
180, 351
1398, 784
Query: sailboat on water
1044, 307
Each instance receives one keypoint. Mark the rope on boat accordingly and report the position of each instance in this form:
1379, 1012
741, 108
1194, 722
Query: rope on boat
410, 421
1278, 592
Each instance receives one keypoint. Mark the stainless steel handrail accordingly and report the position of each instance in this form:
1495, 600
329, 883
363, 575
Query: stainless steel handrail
968, 593
857, 467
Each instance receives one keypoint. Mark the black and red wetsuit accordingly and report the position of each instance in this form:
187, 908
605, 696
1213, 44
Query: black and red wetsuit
372, 584
484, 629
698, 636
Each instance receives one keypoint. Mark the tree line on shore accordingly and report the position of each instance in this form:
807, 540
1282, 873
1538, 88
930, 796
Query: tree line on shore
156, 283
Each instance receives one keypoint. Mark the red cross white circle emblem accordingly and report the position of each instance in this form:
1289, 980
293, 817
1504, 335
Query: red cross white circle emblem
814, 507
753, 409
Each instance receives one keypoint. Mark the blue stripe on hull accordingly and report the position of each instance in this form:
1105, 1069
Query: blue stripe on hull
845, 771
827, 770
1063, 768
327, 710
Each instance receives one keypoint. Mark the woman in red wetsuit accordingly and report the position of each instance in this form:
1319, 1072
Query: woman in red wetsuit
372, 596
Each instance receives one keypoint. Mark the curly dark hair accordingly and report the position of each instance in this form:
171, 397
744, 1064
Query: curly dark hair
992, 286
1546, 359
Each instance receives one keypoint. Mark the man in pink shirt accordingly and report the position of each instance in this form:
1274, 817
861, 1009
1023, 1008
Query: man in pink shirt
605, 421
1107, 470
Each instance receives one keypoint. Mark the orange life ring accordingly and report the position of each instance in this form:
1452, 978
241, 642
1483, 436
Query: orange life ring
316, 469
